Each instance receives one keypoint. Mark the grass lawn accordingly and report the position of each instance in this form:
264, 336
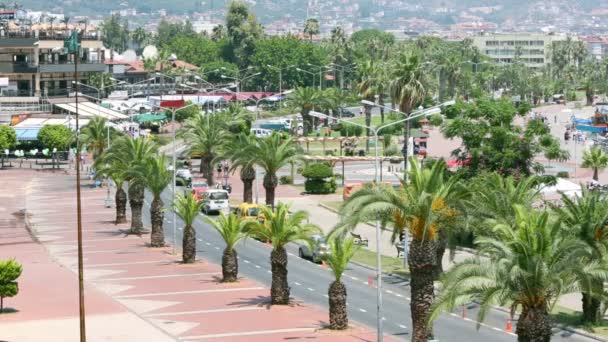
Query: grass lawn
572, 319
389, 264
335, 205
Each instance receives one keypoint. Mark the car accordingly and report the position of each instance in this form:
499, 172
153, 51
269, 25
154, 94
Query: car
250, 211
345, 113
184, 174
215, 200
197, 188
261, 132
320, 249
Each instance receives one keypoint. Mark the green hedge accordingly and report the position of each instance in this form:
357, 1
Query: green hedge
318, 171
317, 186
351, 130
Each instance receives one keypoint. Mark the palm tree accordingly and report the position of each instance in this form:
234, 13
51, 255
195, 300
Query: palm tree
117, 175
233, 230
304, 100
188, 208
367, 87
586, 217
95, 136
65, 21
311, 27
595, 159
427, 207
126, 154
157, 177
51, 21
280, 228
527, 268
406, 87
204, 135
342, 249
272, 154
235, 151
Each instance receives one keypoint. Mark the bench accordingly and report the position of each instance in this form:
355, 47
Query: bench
359, 240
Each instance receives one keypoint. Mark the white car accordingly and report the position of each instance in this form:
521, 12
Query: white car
216, 200
184, 173
261, 132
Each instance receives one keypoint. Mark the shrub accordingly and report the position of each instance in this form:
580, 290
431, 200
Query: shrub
317, 186
392, 150
351, 130
286, 180
562, 174
10, 270
317, 171
436, 120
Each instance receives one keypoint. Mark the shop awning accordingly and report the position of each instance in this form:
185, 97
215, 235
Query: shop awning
150, 117
26, 134
92, 109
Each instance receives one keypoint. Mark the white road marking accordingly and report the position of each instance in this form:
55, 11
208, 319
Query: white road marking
408, 298
402, 326
399, 295
258, 266
207, 243
159, 276
216, 247
247, 333
289, 253
145, 295
200, 240
269, 271
311, 289
353, 278
362, 310
247, 261
389, 291
326, 296
204, 311
495, 328
295, 282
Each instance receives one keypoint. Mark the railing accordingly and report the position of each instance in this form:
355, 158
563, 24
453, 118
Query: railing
81, 61
18, 67
43, 35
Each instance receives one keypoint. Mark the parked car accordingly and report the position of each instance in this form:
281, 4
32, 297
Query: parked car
197, 188
319, 249
215, 200
345, 113
183, 177
250, 211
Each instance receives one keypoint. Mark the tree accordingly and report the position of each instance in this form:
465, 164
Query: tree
595, 159
271, 154
196, 50
528, 267
367, 86
236, 151
427, 208
95, 136
8, 138
232, 229
102, 81
187, 208
311, 27
182, 115
10, 270
157, 177
586, 216
115, 32
55, 136
342, 250
127, 155
304, 100
280, 228
243, 31
141, 37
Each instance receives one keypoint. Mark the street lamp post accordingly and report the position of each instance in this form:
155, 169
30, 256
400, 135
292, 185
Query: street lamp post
280, 80
239, 81
342, 68
310, 73
375, 131
320, 74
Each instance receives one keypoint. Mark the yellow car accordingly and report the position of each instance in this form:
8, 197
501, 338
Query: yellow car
250, 211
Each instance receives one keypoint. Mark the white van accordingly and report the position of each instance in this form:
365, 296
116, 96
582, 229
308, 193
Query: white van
216, 200
261, 132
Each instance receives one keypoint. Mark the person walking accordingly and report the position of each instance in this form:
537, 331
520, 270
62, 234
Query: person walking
567, 136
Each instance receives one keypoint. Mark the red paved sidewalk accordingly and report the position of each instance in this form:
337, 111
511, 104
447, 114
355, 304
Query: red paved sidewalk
149, 287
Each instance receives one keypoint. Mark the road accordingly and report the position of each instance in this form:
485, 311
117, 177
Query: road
309, 283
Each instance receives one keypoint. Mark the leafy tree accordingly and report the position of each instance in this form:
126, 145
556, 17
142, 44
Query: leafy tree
311, 27
595, 159
527, 268
55, 136
222, 67
10, 270
492, 141
281, 228
342, 250
271, 154
95, 136
243, 31
182, 115
167, 32
196, 50
188, 208
304, 100
233, 230
8, 138
115, 32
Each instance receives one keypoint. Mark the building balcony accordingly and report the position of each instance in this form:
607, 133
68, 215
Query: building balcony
65, 66
17, 68
58, 34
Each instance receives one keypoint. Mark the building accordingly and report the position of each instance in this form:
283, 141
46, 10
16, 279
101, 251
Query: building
33, 61
533, 49
596, 46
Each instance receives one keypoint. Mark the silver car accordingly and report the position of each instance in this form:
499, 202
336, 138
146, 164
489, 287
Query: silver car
320, 249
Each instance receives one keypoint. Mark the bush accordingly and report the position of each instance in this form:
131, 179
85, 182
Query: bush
436, 120
351, 130
317, 186
10, 270
392, 150
317, 171
571, 96
286, 180
562, 174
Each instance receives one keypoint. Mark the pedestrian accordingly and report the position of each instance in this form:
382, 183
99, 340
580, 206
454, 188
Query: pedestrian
555, 118
567, 136
318, 132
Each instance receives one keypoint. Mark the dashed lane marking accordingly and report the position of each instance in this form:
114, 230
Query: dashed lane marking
207, 243
295, 282
247, 261
362, 310
258, 266
310, 289
402, 326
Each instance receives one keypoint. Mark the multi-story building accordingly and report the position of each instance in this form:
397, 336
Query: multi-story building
33, 61
533, 49
597, 47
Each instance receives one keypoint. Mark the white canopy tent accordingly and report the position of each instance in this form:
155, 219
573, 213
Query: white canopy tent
563, 186
89, 109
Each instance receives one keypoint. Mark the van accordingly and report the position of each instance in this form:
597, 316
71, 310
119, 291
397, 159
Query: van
215, 200
261, 132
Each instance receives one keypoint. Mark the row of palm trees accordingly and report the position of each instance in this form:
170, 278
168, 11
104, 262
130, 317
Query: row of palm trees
527, 258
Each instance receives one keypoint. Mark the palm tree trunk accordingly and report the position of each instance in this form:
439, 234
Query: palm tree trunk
247, 177
157, 238
338, 316
422, 256
207, 168
589, 96
442, 243
534, 325
591, 309
270, 184
381, 103
121, 205
595, 174
230, 266
307, 121
189, 245
136, 200
368, 123
279, 291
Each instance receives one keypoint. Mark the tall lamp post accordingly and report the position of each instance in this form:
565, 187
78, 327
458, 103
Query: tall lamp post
342, 68
416, 114
280, 70
239, 81
321, 67
375, 131
310, 73
173, 111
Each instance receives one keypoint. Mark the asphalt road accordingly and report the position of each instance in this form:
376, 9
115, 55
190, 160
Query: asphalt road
309, 283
